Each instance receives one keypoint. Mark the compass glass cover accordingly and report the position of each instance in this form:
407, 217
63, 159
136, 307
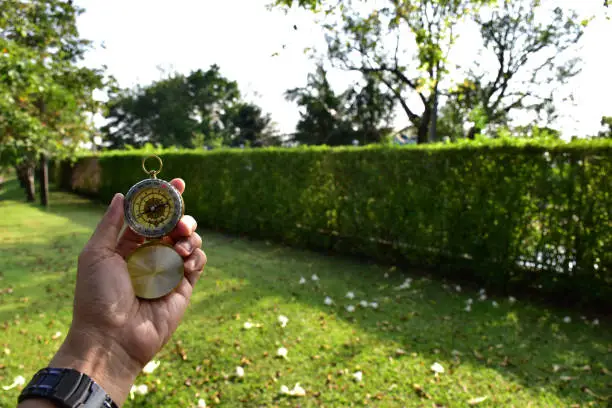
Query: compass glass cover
153, 207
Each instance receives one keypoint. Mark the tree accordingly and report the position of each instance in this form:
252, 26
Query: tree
403, 44
606, 123
530, 52
191, 110
340, 119
44, 95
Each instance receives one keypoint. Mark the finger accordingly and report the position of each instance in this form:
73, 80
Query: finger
194, 265
186, 226
128, 242
179, 184
186, 246
106, 233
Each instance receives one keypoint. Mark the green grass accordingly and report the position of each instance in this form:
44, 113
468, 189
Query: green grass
519, 354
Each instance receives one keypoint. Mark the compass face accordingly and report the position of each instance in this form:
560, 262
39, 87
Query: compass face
153, 207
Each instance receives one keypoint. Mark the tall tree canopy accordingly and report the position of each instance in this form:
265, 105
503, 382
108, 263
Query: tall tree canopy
202, 108
406, 45
530, 51
46, 97
357, 114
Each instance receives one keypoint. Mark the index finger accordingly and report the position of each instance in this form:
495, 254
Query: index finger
179, 184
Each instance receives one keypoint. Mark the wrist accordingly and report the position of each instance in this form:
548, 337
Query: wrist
102, 359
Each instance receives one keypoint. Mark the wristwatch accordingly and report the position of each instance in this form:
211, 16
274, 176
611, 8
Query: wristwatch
67, 388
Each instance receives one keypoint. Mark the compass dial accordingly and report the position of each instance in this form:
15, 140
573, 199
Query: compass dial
153, 207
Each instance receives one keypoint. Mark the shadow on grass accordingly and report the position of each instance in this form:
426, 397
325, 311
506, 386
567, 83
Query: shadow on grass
522, 342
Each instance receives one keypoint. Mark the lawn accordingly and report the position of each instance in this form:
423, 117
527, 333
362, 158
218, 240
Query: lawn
495, 353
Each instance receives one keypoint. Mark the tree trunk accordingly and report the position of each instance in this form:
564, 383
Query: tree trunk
25, 173
44, 180
423, 129
433, 131
473, 132
22, 181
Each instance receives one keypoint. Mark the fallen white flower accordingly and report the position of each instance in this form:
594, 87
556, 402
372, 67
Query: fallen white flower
386, 275
239, 372
405, 285
282, 352
363, 303
141, 389
482, 292
283, 320
297, 391
511, 299
469, 301
374, 305
18, 381
247, 325
458, 288
596, 322
468, 308
567, 319
302, 280
350, 295
151, 366
314, 277
482, 297
358, 376
437, 368
201, 403
350, 308
495, 304
328, 301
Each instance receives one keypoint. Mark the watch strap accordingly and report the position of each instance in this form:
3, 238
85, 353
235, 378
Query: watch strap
67, 388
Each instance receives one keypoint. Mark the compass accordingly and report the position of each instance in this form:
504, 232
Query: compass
153, 208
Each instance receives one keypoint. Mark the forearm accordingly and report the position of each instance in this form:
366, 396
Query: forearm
99, 358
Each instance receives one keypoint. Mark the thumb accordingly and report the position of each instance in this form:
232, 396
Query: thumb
107, 232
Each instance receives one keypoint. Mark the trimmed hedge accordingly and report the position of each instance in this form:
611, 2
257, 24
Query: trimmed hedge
508, 215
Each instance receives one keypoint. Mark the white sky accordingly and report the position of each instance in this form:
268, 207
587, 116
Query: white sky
240, 36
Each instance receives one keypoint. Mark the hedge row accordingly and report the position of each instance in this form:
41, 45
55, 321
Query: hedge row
521, 215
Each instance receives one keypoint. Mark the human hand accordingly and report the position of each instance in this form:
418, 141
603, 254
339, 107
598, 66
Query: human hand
114, 333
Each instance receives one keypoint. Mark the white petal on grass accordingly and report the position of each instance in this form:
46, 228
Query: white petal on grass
469, 301
468, 308
405, 285
374, 305
567, 319
201, 403
482, 297
495, 304
363, 303
282, 352
314, 277
57, 335
458, 288
482, 292
511, 299
596, 322
476, 401
151, 366
328, 301
247, 325
239, 372
386, 275
297, 391
302, 280
350, 308
283, 320
358, 376
556, 367
350, 295
141, 389
18, 381
437, 368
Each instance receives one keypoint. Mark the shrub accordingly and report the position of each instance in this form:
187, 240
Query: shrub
509, 215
